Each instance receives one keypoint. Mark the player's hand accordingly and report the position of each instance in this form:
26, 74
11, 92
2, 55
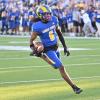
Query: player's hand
32, 46
36, 53
66, 51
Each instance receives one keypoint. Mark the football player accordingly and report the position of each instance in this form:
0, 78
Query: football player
47, 29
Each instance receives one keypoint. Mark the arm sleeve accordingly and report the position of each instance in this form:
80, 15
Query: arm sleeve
56, 21
61, 38
58, 30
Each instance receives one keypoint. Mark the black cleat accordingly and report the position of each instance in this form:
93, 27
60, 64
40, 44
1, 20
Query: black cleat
77, 90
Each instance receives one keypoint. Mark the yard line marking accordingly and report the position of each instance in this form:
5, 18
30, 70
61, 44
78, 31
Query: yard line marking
97, 38
85, 56
27, 48
17, 58
13, 42
15, 36
19, 48
45, 66
47, 80
17, 70
83, 64
66, 37
26, 67
31, 57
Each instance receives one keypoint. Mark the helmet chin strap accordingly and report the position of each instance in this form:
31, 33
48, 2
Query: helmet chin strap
45, 18
44, 21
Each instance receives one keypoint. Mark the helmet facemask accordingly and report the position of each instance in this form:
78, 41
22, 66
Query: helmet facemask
44, 13
46, 16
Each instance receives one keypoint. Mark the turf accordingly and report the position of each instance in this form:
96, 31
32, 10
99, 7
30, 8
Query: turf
23, 77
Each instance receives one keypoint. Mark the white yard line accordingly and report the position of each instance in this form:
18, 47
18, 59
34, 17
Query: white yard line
44, 66
85, 56
97, 38
83, 64
13, 71
15, 36
15, 58
19, 42
46, 80
20, 48
27, 48
31, 57
24, 67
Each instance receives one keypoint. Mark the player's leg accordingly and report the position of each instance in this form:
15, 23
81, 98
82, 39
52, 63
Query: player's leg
65, 75
52, 59
63, 72
67, 78
46, 58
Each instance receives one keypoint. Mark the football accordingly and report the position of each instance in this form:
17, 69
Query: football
39, 46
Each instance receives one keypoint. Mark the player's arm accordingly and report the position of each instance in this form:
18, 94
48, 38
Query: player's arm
32, 38
61, 38
33, 46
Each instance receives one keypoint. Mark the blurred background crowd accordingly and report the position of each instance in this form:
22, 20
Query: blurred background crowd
76, 17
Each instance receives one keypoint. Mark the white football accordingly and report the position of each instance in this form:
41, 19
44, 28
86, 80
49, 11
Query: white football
39, 46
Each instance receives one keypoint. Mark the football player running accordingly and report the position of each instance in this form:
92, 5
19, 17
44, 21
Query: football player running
47, 29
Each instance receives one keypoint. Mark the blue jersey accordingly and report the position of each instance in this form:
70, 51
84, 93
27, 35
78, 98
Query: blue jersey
25, 19
92, 15
17, 18
69, 17
46, 31
12, 23
98, 18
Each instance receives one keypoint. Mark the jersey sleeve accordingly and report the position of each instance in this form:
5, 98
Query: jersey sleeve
56, 20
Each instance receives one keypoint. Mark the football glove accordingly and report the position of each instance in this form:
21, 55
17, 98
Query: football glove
66, 51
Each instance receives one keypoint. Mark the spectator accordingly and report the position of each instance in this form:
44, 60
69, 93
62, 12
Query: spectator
76, 20
87, 28
4, 18
92, 14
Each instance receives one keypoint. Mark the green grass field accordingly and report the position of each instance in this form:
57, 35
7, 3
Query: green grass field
23, 77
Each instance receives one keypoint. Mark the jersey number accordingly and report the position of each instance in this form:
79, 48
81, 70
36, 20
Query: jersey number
51, 35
